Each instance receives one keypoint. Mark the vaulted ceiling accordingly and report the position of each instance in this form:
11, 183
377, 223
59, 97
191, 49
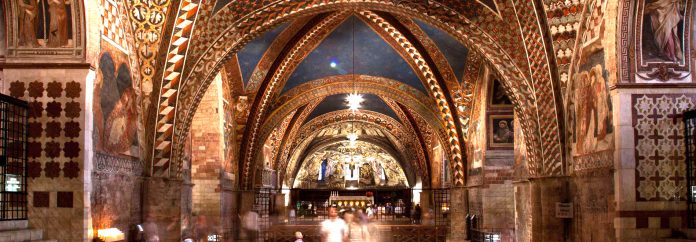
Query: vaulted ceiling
350, 51
291, 60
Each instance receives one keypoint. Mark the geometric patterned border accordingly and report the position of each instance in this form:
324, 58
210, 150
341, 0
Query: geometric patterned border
602, 159
104, 163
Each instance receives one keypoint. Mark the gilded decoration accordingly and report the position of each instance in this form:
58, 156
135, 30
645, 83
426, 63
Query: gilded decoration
334, 165
346, 121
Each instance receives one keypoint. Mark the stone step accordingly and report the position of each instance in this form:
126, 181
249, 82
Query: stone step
21, 235
14, 225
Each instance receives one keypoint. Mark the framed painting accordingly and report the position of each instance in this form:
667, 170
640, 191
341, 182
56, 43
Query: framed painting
501, 131
497, 97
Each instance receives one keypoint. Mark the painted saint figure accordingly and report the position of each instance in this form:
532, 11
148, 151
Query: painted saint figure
665, 18
58, 28
503, 134
119, 128
593, 110
28, 13
323, 174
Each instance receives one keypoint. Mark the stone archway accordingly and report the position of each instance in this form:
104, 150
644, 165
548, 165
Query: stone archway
394, 130
535, 99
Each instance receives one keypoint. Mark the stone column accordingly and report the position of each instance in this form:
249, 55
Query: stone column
245, 203
228, 212
553, 190
162, 205
280, 207
246, 200
426, 199
458, 210
535, 209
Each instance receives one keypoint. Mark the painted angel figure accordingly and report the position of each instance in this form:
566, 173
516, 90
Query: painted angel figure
665, 17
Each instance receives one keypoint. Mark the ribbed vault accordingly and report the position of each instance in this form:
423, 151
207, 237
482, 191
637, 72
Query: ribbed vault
445, 105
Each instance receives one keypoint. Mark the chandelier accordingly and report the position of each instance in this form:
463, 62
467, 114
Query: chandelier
354, 99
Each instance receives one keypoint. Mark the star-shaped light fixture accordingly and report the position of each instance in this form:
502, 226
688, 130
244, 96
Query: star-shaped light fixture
354, 101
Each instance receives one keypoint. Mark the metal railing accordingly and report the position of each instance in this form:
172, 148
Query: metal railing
486, 235
690, 149
382, 233
13, 158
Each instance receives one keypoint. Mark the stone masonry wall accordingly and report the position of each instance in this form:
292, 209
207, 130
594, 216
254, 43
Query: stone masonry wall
56, 146
207, 157
116, 193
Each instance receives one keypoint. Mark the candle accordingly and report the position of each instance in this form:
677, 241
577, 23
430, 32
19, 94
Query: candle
110, 234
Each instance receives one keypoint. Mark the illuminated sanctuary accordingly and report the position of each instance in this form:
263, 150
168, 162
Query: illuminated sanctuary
409, 120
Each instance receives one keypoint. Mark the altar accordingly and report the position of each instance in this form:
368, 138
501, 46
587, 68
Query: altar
351, 201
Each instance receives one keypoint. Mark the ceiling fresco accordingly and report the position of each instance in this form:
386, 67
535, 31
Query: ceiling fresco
370, 165
510, 39
334, 56
252, 53
338, 102
455, 53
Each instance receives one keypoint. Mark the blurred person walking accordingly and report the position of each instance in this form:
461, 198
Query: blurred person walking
357, 232
417, 212
333, 229
250, 225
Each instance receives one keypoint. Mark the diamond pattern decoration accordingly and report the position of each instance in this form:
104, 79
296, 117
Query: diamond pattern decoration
548, 155
113, 29
176, 56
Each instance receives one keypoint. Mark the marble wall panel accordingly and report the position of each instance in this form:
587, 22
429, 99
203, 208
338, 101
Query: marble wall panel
659, 145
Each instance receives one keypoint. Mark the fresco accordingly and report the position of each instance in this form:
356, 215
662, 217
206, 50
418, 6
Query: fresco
451, 48
334, 56
44, 23
501, 131
590, 113
663, 30
498, 96
115, 105
331, 167
251, 54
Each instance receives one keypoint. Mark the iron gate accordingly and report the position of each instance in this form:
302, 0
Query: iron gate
264, 206
13, 158
441, 198
690, 149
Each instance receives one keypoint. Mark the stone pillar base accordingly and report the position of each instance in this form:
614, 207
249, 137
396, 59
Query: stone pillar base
535, 209
162, 205
458, 210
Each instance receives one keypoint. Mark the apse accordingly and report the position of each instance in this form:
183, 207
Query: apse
346, 165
